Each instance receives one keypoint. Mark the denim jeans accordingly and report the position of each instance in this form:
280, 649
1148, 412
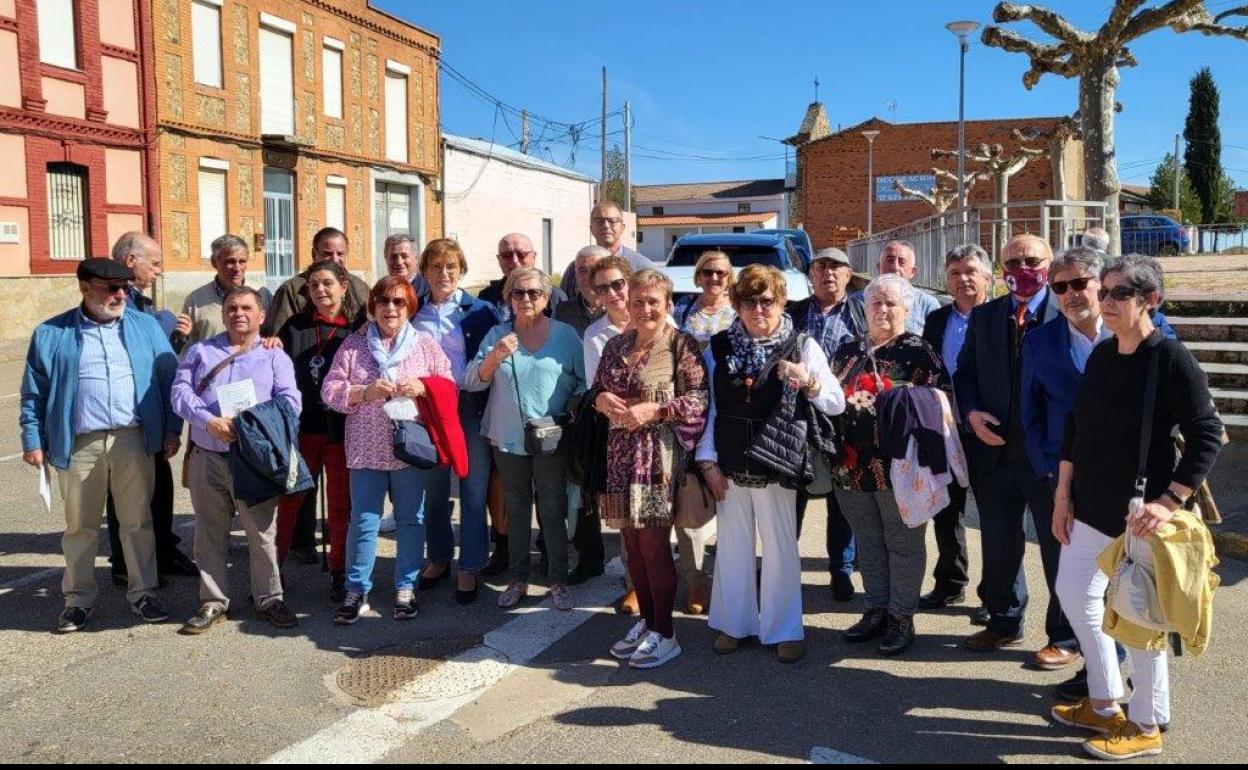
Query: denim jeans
368, 494
474, 535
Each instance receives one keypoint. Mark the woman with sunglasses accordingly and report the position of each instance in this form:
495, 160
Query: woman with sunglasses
375, 379
609, 280
1096, 483
709, 313
532, 366
760, 359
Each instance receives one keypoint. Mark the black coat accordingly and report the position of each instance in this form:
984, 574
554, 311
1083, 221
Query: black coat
265, 462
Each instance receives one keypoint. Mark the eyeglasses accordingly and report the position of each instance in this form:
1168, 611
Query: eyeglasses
391, 301
610, 221
708, 272
516, 254
1078, 284
1118, 293
110, 288
754, 303
532, 295
1016, 263
615, 287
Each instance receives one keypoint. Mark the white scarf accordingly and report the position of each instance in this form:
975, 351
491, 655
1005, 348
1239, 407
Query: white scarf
388, 361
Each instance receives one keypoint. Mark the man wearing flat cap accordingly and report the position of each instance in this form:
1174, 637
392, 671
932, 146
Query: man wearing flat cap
95, 406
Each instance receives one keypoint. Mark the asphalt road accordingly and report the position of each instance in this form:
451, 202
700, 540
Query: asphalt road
541, 689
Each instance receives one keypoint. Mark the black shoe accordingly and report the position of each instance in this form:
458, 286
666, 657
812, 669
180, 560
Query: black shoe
499, 561
150, 610
72, 619
426, 583
178, 565
305, 555
338, 587
352, 608
1074, 689
941, 597
842, 587
872, 626
584, 571
980, 617
405, 605
466, 597
278, 615
208, 616
899, 637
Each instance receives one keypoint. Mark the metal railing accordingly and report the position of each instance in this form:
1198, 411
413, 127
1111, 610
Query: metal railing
1219, 239
991, 226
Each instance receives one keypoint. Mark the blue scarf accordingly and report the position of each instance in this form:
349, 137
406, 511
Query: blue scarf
388, 361
750, 354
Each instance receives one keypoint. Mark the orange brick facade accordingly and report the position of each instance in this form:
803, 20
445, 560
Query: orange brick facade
199, 124
833, 178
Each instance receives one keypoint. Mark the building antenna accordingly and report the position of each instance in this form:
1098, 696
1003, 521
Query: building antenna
816, 88
891, 106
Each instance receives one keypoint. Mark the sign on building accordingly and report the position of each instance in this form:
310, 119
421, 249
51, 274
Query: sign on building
886, 192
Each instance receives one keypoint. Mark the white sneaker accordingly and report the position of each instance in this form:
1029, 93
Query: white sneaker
624, 649
388, 524
654, 651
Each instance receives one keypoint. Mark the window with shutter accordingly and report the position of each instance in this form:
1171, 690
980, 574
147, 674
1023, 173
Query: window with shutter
212, 213
331, 79
396, 116
206, 42
58, 42
336, 206
277, 93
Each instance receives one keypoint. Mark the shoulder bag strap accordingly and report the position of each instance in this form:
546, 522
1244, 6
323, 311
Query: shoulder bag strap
212, 374
1146, 429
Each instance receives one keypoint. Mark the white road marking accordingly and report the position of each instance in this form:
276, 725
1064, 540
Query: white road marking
822, 755
369, 734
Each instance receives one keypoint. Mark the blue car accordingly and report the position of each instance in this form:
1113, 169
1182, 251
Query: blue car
1154, 235
743, 249
799, 239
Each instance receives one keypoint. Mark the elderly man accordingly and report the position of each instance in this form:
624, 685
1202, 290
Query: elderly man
606, 225
291, 299
582, 308
516, 250
141, 255
201, 312
1097, 239
95, 406
966, 277
988, 386
832, 317
898, 257
204, 378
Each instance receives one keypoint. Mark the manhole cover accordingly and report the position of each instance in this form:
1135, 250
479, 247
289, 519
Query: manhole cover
420, 671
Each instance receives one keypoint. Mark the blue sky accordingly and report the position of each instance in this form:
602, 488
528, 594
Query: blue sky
710, 78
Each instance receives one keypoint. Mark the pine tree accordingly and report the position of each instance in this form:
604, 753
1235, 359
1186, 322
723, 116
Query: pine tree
1161, 191
1203, 158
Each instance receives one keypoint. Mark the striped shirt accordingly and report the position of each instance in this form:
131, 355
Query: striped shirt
105, 399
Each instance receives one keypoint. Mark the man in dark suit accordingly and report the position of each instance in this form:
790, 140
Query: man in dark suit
988, 387
966, 276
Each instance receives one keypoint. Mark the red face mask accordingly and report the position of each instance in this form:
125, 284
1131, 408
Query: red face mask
1026, 281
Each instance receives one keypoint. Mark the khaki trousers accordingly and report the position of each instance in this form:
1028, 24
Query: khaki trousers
101, 461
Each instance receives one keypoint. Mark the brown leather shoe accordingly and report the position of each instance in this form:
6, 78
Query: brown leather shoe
699, 599
989, 641
725, 644
790, 652
1052, 658
629, 604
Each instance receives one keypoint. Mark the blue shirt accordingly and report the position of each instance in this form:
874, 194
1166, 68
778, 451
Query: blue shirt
442, 322
955, 338
1081, 347
1033, 304
924, 304
106, 395
829, 329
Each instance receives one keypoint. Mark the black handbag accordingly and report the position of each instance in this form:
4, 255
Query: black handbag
412, 445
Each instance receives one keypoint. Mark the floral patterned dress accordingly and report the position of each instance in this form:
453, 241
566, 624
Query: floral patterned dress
905, 360
642, 465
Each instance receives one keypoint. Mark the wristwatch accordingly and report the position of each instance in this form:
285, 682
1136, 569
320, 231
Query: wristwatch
1170, 493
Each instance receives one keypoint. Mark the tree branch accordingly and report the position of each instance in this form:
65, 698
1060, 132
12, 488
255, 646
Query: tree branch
1056, 59
1118, 18
1240, 11
1220, 30
1153, 18
1051, 22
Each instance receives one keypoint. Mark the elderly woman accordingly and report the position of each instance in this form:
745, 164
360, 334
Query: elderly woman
311, 338
760, 360
458, 322
609, 279
375, 378
1096, 483
652, 388
532, 367
891, 554
706, 314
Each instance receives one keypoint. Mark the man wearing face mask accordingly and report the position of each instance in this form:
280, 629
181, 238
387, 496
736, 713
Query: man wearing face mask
988, 386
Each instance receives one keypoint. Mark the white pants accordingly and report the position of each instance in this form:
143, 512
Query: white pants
736, 607
1081, 587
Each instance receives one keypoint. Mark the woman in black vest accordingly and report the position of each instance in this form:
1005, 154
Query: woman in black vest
751, 366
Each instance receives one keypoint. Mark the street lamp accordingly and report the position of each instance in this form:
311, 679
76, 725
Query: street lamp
962, 29
870, 135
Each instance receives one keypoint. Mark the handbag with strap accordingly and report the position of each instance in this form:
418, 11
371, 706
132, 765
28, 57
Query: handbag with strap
413, 445
542, 435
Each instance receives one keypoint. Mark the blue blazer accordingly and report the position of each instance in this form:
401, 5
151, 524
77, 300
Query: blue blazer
50, 383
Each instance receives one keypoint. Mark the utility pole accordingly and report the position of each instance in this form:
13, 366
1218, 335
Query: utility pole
602, 184
1176, 178
524, 131
628, 159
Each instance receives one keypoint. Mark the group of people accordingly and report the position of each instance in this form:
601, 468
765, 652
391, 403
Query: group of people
607, 400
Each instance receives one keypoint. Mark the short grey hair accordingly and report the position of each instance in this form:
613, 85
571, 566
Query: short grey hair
1142, 273
968, 251
397, 239
1095, 238
886, 281
227, 244
520, 274
595, 251
129, 243
907, 245
1085, 259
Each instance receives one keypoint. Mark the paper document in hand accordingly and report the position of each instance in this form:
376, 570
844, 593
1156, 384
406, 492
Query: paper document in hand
401, 408
236, 397
45, 486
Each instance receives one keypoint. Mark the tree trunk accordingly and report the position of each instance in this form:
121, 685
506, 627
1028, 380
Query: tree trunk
1097, 89
1005, 231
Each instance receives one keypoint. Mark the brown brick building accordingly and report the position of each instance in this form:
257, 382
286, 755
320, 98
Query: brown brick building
832, 172
279, 117
77, 112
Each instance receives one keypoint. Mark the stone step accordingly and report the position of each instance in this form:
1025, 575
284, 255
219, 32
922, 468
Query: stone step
1210, 329
1230, 400
1188, 303
1219, 352
1236, 427
1232, 376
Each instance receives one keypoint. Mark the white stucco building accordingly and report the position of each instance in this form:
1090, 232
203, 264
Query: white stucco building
667, 211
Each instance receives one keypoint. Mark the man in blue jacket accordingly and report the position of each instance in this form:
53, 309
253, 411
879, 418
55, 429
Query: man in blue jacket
95, 406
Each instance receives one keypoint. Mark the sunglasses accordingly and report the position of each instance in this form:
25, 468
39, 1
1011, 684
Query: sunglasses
515, 254
1078, 284
532, 295
614, 287
708, 272
1016, 263
754, 303
1118, 293
110, 288
390, 301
